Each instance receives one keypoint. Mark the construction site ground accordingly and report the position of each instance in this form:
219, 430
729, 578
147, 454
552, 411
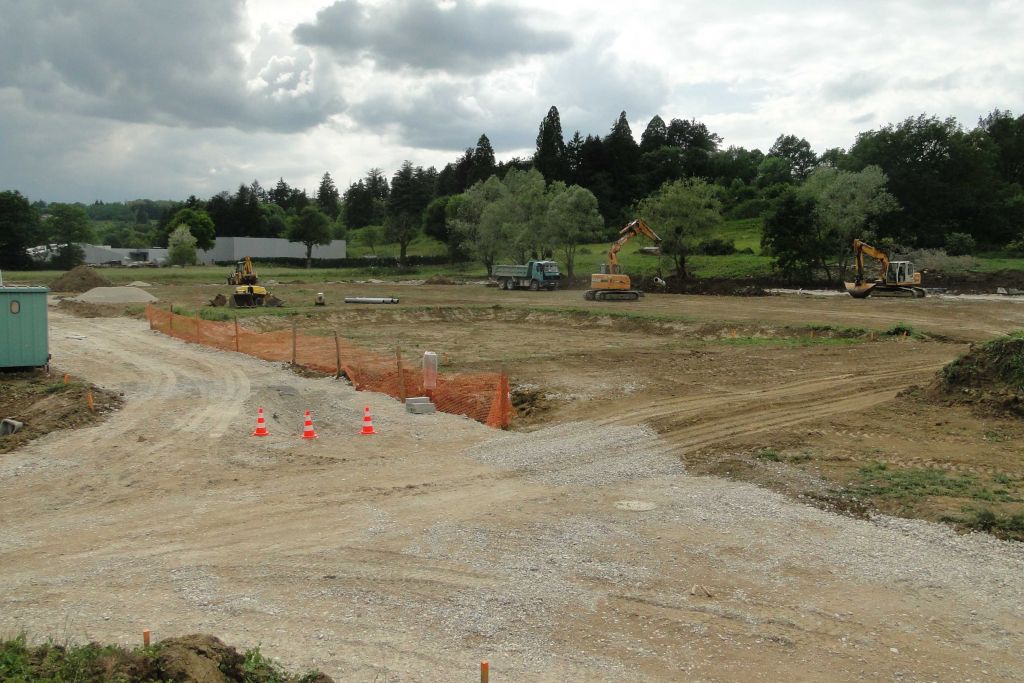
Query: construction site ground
699, 488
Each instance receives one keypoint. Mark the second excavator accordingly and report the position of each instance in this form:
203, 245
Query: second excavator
610, 284
896, 278
248, 292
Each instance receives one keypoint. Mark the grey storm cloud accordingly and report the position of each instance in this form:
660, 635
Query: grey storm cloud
449, 113
438, 118
423, 35
176, 64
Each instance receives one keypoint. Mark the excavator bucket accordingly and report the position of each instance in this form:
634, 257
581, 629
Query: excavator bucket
245, 301
860, 291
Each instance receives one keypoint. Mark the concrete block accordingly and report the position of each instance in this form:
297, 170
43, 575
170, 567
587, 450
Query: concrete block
420, 405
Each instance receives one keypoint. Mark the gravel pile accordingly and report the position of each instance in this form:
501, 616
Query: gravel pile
580, 453
115, 295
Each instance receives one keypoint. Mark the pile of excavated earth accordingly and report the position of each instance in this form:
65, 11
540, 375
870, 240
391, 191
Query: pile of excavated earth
79, 279
989, 376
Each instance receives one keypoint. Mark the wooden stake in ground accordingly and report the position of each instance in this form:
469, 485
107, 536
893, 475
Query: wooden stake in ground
337, 354
295, 342
401, 375
236, 333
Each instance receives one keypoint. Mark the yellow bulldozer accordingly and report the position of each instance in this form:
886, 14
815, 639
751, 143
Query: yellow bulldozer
248, 292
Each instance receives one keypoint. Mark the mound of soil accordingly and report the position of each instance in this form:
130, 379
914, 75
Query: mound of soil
990, 376
79, 279
439, 280
45, 404
529, 401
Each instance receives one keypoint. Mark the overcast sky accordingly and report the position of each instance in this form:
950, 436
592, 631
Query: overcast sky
123, 99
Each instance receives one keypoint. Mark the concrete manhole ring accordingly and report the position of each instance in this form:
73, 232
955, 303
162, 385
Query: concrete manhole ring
635, 505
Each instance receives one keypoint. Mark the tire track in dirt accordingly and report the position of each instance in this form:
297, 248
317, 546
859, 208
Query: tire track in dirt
213, 391
816, 385
693, 422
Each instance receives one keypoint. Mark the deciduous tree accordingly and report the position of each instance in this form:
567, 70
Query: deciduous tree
199, 223
311, 227
572, 219
477, 223
19, 230
797, 151
682, 213
181, 247
67, 226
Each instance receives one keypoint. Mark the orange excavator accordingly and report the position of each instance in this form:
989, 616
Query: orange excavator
896, 278
610, 284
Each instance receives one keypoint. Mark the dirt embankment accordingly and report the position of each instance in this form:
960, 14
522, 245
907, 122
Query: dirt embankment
990, 376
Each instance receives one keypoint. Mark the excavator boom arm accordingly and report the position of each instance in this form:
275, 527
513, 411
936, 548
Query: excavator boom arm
861, 248
637, 227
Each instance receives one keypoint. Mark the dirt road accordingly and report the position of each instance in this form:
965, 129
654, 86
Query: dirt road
573, 552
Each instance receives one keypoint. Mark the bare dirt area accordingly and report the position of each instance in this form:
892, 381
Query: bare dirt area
608, 537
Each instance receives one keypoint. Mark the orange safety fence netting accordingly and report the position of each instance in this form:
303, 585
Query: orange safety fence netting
484, 397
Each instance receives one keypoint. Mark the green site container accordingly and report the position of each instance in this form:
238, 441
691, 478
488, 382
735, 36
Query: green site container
23, 327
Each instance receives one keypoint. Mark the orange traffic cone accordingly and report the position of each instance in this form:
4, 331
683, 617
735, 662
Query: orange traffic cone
307, 428
367, 422
261, 425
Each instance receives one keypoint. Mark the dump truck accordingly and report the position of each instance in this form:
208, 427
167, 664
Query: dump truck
535, 275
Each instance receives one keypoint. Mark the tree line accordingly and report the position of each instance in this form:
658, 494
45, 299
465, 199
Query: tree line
922, 182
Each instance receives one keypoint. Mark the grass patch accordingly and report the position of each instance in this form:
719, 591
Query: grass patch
735, 266
797, 341
86, 663
915, 484
1009, 526
768, 455
745, 233
901, 330
96, 663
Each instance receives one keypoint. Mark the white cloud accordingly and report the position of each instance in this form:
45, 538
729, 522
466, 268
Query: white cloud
116, 100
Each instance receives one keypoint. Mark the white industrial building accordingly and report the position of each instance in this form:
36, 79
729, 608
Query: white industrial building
224, 249
237, 248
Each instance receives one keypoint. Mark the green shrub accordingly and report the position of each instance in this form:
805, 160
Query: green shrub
960, 244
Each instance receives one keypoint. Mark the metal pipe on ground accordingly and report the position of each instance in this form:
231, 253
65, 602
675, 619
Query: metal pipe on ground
370, 300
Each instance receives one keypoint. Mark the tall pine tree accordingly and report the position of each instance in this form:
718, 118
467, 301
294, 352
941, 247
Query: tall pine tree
550, 157
328, 199
484, 164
